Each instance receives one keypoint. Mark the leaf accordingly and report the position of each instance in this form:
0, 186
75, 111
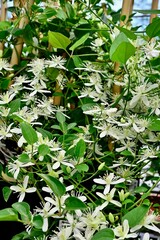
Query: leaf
73, 203
14, 105
38, 221
6, 193
153, 29
58, 40
121, 49
79, 42
28, 133
21, 236
23, 209
24, 158
77, 61
45, 133
149, 11
43, 150
136, 215
80, 148
4, 25
104, 234
57, 187
82, 167
155, 125
8, 214
128, 33
70, 10
60, 117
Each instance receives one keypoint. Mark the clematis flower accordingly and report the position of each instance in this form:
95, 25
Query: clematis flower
108, 199
148, 222
22, 189
108, 180
122, 231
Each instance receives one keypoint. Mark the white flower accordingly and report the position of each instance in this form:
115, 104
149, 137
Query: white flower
5, 131
95, 81
37, 66
56, 62
4, 65
46, 211
108, 180
148, 222
108, 199
122, 231
6, 97
22, 189
37, 88
16, 166
93, 220
61, 159
63, 234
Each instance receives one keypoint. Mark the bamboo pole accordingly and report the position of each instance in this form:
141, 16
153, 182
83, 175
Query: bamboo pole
127, 7
154, 7
17, 50
3, 18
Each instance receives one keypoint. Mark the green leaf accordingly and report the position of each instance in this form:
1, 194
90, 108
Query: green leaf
154, 125
140, 189
45, 133
153, 29
70, 10
82, 167
80, 149
58, 40
121, 49
21, 236
24, 158
77, 61
60, 117
43, 150
104, 234
136, 215
73, 203
149, 11
23, 209
4, 25
71, 125
79, 42
28, 133
57, 187
14, 105
38, 221
6, 193
128, 33
8, 214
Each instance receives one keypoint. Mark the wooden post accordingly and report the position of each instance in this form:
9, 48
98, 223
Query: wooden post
127, 7
3, 18
154, 7
15, 58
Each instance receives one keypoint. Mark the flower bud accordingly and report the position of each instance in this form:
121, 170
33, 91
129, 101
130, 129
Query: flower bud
111, 217
68, 169
101, 166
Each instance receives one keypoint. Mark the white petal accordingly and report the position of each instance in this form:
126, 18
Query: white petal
99, 180
22, 195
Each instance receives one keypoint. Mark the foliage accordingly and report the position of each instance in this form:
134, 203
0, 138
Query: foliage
89, 154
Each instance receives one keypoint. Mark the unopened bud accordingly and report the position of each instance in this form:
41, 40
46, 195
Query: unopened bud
101, 166
111, 217
68, 169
